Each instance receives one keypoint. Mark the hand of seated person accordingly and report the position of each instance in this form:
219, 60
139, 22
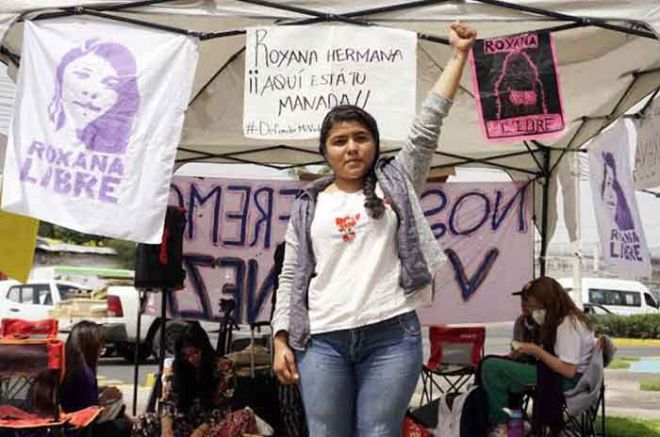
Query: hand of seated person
514, 355
201, 429
109, 394
529, 349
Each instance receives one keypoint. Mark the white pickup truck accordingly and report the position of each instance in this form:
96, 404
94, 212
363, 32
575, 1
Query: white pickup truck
36, 299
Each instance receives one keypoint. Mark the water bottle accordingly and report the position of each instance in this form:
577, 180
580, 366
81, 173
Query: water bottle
516, 426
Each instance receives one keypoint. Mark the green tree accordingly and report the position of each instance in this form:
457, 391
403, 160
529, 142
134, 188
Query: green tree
125, 249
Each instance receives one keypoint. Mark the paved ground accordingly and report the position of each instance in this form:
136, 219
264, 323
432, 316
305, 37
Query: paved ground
623, 396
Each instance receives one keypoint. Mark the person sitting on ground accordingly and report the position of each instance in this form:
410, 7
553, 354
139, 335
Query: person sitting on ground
79, 387
197, 394
567, 342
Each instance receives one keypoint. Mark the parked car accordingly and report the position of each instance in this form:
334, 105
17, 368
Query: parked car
35, 300
124, 302
595, 309
622, 297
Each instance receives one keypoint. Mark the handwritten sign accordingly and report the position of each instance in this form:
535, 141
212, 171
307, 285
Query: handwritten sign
234, 225
517, 87
620, 231
295, 74
98, 117
647, 154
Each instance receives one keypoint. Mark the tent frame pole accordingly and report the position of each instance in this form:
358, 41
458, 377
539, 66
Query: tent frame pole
351, 17
547, 175
587, 21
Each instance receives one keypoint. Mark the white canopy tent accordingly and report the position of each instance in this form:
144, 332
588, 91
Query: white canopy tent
608, 51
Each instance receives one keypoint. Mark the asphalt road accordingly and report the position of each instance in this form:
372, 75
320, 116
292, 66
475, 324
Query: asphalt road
116, 371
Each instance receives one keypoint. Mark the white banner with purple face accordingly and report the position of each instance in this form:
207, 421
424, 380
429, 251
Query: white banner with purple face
98, 116
622, 240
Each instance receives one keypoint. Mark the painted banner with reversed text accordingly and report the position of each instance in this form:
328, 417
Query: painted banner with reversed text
234, 225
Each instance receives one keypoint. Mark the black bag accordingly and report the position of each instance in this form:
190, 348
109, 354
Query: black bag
160, 266
474, 418
260, 394
473, 414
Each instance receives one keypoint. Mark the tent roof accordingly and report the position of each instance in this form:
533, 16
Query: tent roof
603, 72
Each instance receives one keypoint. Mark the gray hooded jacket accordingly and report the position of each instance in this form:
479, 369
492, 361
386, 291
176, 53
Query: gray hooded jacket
401, 179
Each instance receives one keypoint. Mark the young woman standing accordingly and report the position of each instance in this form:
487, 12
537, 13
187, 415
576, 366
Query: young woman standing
360, 257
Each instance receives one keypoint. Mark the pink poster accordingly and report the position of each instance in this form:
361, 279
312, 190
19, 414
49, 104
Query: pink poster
234, 226
516, 83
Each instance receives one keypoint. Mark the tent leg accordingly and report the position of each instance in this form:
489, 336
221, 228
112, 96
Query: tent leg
136, 367
163, 319
547, 173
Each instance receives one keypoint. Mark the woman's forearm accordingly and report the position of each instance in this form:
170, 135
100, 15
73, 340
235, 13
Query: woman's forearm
450, 78
166, 425
565, 369
200, 430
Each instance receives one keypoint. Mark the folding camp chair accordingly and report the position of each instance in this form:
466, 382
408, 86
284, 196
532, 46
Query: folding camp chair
31, 364
585, 423
455, 355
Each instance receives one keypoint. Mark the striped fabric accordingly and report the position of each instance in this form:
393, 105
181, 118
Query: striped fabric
292, 411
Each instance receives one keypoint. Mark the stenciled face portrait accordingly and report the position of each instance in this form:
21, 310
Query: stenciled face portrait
609, 194
89, 89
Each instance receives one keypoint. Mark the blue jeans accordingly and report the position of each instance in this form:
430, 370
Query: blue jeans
358, 382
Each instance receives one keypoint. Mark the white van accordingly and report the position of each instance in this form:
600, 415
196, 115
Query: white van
619, 296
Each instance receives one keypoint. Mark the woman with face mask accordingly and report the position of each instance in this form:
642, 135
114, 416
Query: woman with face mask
567, 342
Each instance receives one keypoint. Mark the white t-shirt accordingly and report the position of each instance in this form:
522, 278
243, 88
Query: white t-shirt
357, 265
574, 343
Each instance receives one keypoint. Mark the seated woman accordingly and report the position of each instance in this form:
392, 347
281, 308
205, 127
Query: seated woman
525, 329
567, 342
197, 394
79, 388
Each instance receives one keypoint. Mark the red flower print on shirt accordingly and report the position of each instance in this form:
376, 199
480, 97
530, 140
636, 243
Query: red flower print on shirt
345, 226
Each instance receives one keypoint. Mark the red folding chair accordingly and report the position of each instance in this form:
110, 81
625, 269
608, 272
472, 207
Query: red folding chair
31, 365
412, 428
455, 356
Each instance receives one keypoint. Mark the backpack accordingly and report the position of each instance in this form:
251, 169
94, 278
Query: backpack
463, 415
161, 265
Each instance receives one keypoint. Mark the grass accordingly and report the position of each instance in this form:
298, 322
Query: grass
650, 385
630, 427
622, 362
630, 358
619, 363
